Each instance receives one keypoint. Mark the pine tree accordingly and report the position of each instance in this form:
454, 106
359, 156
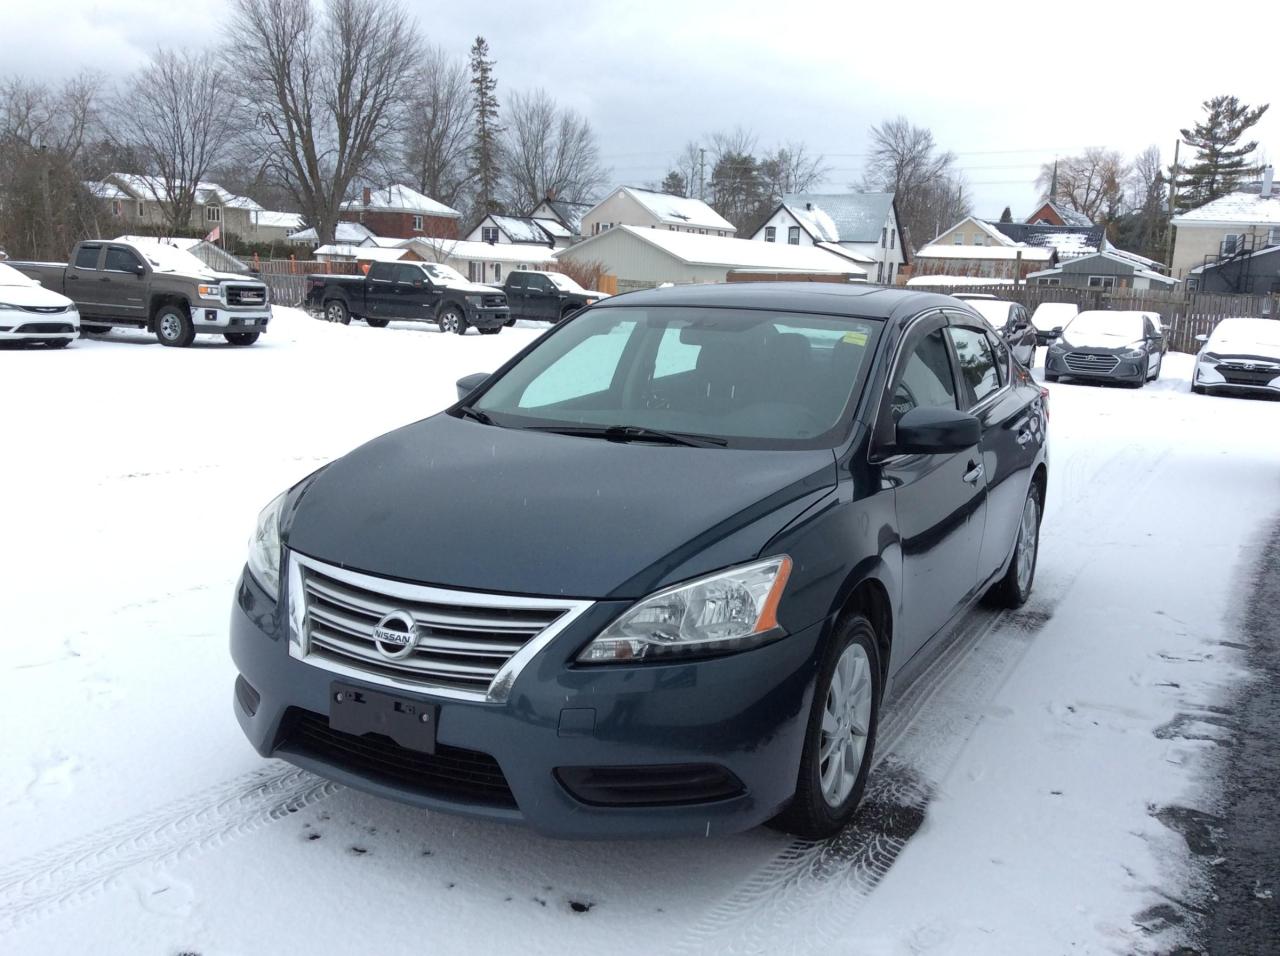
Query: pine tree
674, 184
485, 145
1221, 159
1007, 215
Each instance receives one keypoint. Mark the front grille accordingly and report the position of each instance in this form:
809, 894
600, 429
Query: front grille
450, 773
1091, 362
495, 301
46, 327
246, 295
45, 309
465, 640
1236, 375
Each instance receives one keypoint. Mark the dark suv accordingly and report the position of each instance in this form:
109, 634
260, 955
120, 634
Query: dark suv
693, 538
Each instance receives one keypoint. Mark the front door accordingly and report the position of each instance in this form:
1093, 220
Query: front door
122, 285
940, 500
541, 300
379, 291
83, 286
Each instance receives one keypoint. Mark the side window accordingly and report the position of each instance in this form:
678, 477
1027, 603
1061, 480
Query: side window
1001, 351
380, 271
924, 380
408, 275
516, 281
977, 361
87, 257
121, 260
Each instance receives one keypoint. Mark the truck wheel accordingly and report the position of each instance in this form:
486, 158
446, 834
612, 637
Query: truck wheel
451, 319
376, 323
174, 327
494, 331
241, 338
510, 322
336, 311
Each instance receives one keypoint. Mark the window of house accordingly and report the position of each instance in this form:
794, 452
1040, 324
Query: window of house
213, 213
893, 237
959, 239
142, 210
417, 224
497, 272
1230, 243
117, 207
490, 233
1102, 282
1273, 236
884, 236
471, 272
1193, 285
879, 272
770, 233
793, 236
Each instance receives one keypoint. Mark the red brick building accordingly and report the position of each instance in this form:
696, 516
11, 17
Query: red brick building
400, 212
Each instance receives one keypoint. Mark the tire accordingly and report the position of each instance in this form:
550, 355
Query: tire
491, 331
1199, 390
1050, 377
335, 310
58, 343
510, 322
174, 327
818, 811
451, 319
1014, 588
569, 313
376, 323
241, 338
95, 329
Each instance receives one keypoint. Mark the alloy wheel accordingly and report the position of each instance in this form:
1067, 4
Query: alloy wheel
846, 722
1028, 541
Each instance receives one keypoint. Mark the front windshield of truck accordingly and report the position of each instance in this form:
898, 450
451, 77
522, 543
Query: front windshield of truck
564, 283
751, 378
444, 275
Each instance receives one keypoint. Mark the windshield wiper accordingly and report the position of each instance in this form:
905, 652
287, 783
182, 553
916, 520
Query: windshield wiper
635, 433
466, 411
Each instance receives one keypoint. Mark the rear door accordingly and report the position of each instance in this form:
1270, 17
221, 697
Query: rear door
940, 500
82, 285
122, 285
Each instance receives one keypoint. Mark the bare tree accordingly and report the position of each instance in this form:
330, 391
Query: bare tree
791, 169
178, 112
1091, 183
688, 167
325, 90
437, 128
549, 151
929, 190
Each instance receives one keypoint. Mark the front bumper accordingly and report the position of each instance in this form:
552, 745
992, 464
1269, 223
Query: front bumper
214, 318
483, 317
1242, 379
1123, 370
745, 713
18, 325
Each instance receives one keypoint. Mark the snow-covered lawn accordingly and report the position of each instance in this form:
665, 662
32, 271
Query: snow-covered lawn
1020, 779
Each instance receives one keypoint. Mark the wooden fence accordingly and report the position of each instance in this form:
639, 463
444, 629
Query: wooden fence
287, 278
1185, 314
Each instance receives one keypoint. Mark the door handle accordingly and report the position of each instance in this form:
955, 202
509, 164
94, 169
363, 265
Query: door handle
1024, 436
974, 473
104, 279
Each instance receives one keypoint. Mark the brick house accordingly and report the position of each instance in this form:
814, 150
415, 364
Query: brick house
401, 212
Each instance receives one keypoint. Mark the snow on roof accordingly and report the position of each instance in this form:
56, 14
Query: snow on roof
679, 210
1069, 216
400, 198
1245, 207
1264, 251
347, 232
934, 281
728, 252
1111, 256
1070, 241
555, 227
442, 250
339, 250
841, 217
521, 229
206, 193
102, 190
1143, 261
569, 213
947, 250
278, 220
846, 252
384, 242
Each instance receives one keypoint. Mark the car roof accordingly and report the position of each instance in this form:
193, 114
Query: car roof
829, 298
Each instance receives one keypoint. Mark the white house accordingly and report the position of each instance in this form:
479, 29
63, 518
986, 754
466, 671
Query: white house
346, 233
483, 261
632, 206
865, 224
522, 230
641, 257
568, 214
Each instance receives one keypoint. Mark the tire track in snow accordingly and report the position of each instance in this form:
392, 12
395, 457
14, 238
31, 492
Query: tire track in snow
40, 884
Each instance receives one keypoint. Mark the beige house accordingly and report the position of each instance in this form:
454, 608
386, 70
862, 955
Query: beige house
647, 209
138, 203
1239, 223
975, 249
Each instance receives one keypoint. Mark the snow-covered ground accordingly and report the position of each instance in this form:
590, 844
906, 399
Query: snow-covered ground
1018, 807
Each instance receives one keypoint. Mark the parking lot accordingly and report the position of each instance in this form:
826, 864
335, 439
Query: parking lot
1042, 788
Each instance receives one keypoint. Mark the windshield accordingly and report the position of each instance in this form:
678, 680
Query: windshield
11, 276
1121, 327
563, 282
752, 377
1246, 333
445, 274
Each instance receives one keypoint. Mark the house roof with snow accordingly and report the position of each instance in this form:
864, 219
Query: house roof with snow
521, 229
339, 250
1244, 207
675, 210
278, 220
347, 233
1006, 250
1070, 241
1069, 216
1081, 264
442, 250
568, 213
105, 190
400, 198
840, 217
206, 193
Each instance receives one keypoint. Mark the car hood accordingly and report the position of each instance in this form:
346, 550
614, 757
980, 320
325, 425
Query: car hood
475, 287
32, 295
1100, 341
1241, 346
452, 502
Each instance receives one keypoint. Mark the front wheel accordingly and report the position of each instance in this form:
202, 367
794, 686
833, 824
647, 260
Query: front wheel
1014, 588
336, 311
451, 319
376, 323
241, 338
841, 735
174, 327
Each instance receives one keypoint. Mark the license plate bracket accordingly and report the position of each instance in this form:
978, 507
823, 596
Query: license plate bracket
360, 711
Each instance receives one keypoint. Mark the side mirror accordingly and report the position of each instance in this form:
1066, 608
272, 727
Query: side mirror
469, 383
1057, 331
1202, 337
936, 431
139, 270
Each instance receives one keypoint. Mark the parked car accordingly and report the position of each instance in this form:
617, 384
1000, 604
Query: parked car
409, 291
545, 296
31, 313
153, 286
1241, 355
657, 574
1050, 318
1113, 346
1007, 318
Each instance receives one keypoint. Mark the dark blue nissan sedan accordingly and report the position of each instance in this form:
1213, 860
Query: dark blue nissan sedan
658, 573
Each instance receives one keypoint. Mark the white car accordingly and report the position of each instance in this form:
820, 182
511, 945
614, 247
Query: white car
31, 313
1240, 355
1051, 316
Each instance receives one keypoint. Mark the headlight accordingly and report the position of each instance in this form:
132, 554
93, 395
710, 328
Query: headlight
4, 306
209, 291
1208, 358
264, 547
728, 611
1134, 354
590, 302
475, 299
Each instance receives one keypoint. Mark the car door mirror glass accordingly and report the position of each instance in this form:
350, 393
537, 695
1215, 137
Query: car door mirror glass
936, 431
469, 383
139, 269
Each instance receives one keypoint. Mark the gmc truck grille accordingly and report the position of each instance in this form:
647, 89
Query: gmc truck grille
246, 295
464, 644
1099, 364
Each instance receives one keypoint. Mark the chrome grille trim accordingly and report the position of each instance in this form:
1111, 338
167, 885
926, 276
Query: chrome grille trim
1091, 362
478, 643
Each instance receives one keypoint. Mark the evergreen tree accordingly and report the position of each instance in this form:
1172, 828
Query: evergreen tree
1221, 159
1007, 215
485, 161
674, 184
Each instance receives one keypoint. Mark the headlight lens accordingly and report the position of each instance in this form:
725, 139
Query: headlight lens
1134, 354
5, 306
264, 547
210, 291
728, 611
1208, 358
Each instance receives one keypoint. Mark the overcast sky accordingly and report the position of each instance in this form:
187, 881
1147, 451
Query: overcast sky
1004, 85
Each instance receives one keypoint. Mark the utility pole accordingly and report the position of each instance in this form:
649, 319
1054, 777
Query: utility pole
1173, 202
702, 174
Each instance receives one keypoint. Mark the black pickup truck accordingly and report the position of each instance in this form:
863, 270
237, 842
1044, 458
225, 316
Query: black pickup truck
415, 291
154, 285
545, 296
